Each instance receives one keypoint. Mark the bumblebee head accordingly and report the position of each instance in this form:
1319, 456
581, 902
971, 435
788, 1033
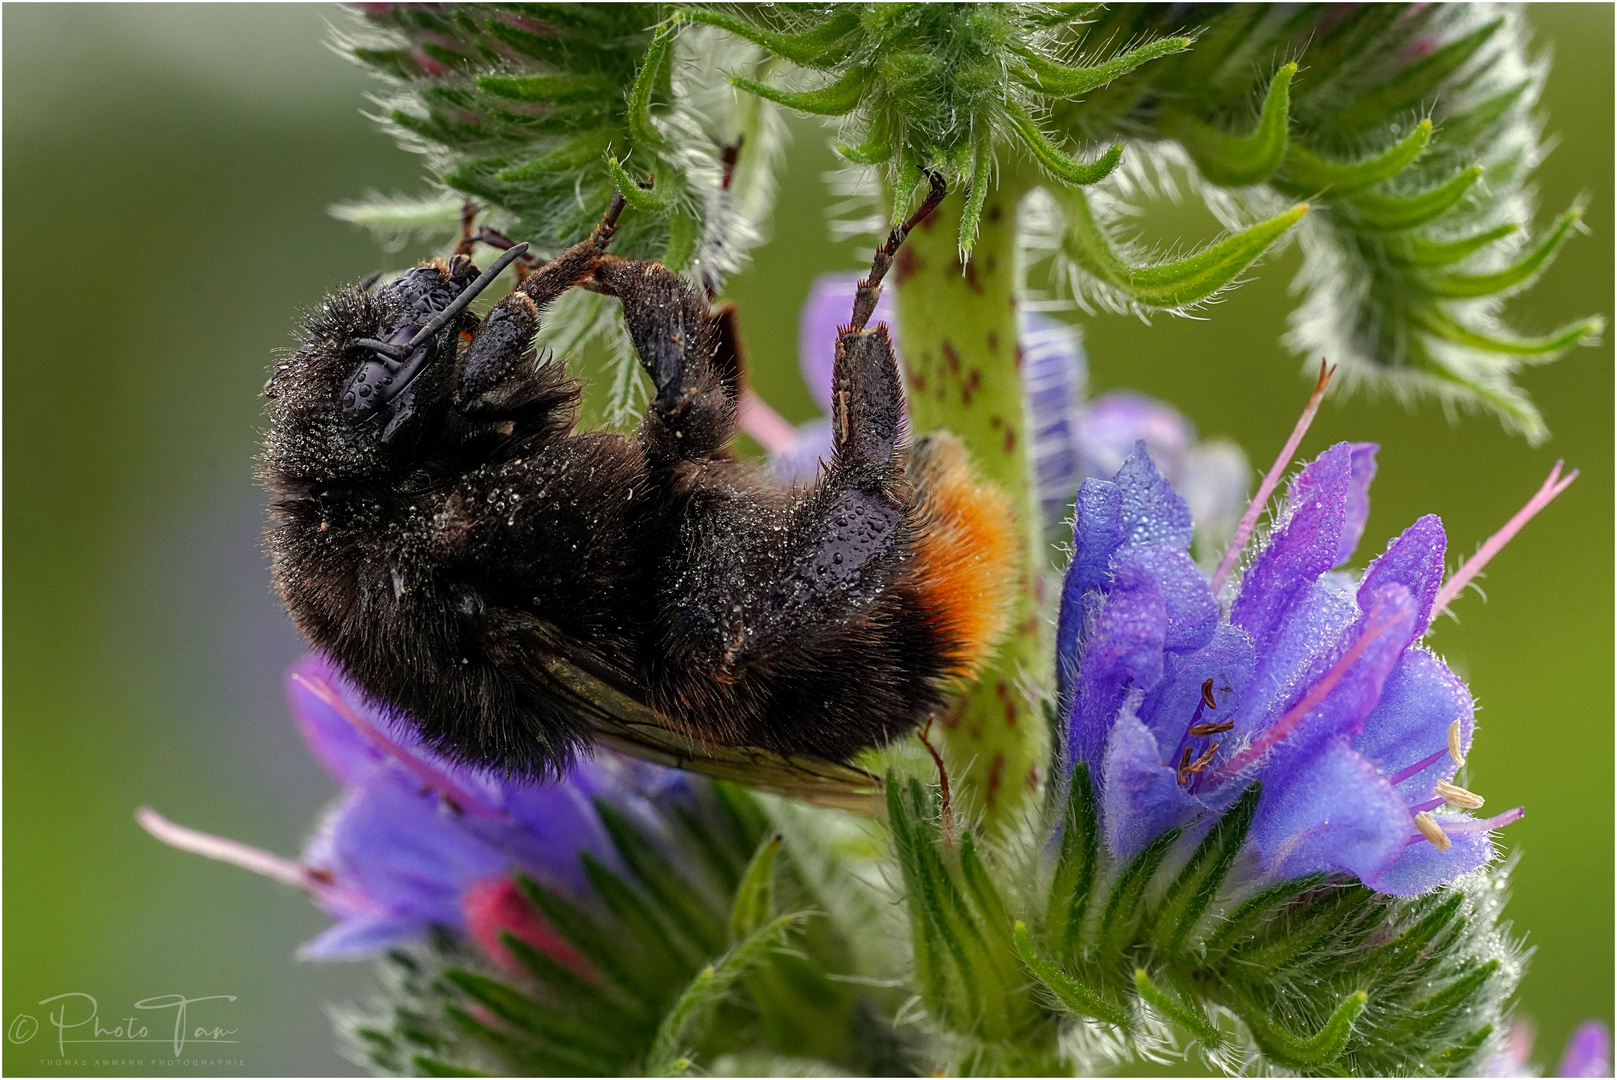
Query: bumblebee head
373, 374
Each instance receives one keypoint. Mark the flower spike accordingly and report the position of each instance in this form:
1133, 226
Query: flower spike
1552, 486
1271, 479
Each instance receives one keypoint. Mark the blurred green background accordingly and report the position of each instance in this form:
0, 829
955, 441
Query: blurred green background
167, 171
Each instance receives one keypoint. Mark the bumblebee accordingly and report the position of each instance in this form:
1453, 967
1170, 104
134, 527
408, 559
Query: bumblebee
515, 588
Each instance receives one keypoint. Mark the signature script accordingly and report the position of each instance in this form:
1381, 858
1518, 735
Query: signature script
77, 1019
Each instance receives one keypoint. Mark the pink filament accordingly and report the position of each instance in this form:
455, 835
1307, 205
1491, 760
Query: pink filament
1474, 825
455, 793
768, 428
319, 886
1404, 774
1271, 480
1546, 493
1316, 694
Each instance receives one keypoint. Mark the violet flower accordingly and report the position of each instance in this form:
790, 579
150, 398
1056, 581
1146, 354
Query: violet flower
1588, 1052
1072, 440
1308, 678
415, 842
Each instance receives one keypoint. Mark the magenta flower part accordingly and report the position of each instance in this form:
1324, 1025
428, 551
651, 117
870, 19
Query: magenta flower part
1588, 1052
1314, 682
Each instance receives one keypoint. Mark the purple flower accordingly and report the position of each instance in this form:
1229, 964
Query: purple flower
1588, 1052
1071, 440
1314, 682
416, 842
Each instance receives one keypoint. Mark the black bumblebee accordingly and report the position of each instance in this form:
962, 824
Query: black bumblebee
515, 588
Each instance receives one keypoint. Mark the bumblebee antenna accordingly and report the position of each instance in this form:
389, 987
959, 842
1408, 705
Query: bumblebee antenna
456, 306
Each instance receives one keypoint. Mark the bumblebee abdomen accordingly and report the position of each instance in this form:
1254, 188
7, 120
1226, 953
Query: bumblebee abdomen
965, 544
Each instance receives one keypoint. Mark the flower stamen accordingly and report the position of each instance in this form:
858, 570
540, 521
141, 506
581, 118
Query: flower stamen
1420, 766
1183, 772
1459, 796
1201, 731
1455, 750
1207, 694
1271, 480
1202, 762
1553, 486
1433, 832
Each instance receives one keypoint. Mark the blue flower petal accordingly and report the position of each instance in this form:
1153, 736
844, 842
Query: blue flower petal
1334, 812
1125, 650
1410, 724
1152, 511
1305, 545
358, 938
1422, 867
1142, 797
1415, 561
1357, 512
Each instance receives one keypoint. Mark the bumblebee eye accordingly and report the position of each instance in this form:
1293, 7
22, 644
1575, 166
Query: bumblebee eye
381, 378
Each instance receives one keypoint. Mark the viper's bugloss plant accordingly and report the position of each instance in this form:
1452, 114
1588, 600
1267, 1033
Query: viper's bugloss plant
1209, 797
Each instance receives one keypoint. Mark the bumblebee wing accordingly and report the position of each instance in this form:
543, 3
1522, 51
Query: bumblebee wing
624, 723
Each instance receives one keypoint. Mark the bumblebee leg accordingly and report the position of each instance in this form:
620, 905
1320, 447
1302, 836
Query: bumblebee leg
503, 347
692, 414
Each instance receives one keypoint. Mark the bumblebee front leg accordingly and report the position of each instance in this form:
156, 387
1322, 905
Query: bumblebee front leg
497, 373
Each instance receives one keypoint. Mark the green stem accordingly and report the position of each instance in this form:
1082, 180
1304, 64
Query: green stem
958, 326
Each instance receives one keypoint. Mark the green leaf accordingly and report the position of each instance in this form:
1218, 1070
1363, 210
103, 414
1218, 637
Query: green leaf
1127, 902
1171, 285
1055, 160
641, 129
1181, 1012
663, 943
1193, 889
1073, 995
982, 168
427, 1065
1417, 251
1441, 325
1311, 1052
754, 899
834, 99
1395, 213
564, 1038
1412, 85
1059, 80
983, 892
691, 1011
821, 47
591, 1004
1074, 878
656, 200
1514, 277
1306, 173
1238, 161
603, 954
551, 89
575, 153
873, 151
668, 890
1282, 941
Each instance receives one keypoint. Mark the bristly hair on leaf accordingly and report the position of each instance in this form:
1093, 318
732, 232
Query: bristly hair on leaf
1404, 133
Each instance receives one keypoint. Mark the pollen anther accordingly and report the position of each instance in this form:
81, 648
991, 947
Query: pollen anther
1202, 762
1455, 751
1183, 772
1207, 694
1457, 795
1433, 832
1198, 731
